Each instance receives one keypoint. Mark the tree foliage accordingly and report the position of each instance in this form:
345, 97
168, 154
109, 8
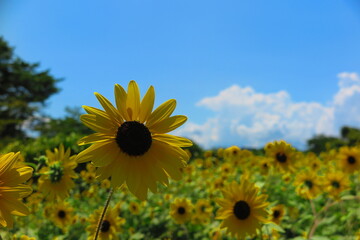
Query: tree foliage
23, 91
350, 136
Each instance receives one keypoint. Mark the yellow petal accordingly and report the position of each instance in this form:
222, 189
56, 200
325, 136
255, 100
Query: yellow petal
109, 108
173, 140
106, 154
95, 137
87, 154
90, 121
147, 104
133, 100
161, 112
168, 124
120, 99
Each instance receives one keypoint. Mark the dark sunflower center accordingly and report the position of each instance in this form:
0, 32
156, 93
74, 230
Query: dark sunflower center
265, 165
105, 226
133, 138
203, 208
335, 184
351, 160
280, 157
61, 214
276, 214
56, 173
241, 210
309, 184
181, 210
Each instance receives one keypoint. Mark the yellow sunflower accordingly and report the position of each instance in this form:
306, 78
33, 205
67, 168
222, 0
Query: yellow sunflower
61, 215
277, 213
181, 210
130, 144
308, 184
203, 210
110, 226
349, 159
233, 154
12, 175
56, 179
335, 183
242, 209
282, 154
134, 208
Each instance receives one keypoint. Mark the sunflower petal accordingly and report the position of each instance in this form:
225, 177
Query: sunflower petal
109, 108
95, 137
120, 99
161, 112
147, 104
168, 124
133, 100
173, 140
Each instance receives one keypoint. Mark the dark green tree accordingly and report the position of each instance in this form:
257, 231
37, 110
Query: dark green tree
23, 91
70, 123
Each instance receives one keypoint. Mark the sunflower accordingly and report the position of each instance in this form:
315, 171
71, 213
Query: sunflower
203, 210
335, 183
12, 175
181, 210
233, 154
130, 144
277, 213
282, 154
56, 179
61, 215
265, 165
242, 209
349, 159
110, 225
308, 184
134, 208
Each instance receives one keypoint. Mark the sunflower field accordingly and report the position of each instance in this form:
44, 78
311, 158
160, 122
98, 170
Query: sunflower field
130, 179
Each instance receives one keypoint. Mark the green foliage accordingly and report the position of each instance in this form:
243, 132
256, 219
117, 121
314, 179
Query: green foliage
23, 90
349, 137
50, 127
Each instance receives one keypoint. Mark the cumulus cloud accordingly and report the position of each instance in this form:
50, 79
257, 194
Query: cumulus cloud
248, 118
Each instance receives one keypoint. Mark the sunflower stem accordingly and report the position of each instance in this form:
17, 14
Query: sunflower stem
103, 213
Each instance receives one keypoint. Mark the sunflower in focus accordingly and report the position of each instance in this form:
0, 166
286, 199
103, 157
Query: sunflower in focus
110, 225
61, 215
349, 159
277, 213
242, 209
282, 154
12, 175
181, 210
335, 183
308, 184
56, 179
130, 144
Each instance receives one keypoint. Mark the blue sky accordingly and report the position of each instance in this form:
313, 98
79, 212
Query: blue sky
244, 72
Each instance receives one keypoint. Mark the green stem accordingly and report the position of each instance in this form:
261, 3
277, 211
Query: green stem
103, 213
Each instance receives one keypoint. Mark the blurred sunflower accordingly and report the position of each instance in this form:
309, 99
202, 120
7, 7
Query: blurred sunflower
349, 159
335, 183
277, 213
282, 154
12, 175
134, 208
181, 210
242, 209
131, 145
308, 184
61, 215
56, 179
203, 210
110, 225
232, 154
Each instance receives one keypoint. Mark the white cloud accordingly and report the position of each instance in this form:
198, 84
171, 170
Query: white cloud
248, 118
